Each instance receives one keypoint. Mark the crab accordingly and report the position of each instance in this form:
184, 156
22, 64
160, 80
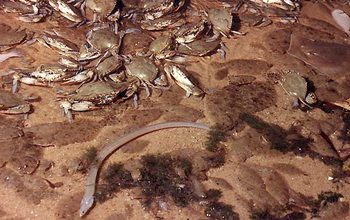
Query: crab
192, 31
181, 78
103, 9
93, 95
68, 11
42, 76
255, 19
13, 104
154, 9
146, 72
69, 63
296, 86
136, 43
62, 45
101, 41
200, 47
288, 5
101, 72
9, 37
168, 21
222, 20
28, 12
162, 47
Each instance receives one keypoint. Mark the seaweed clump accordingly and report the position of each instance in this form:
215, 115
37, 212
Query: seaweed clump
266, 215
325, 198
82, 163
215, 136
115, 178
277, 136
166, 176
287, 140
219, 210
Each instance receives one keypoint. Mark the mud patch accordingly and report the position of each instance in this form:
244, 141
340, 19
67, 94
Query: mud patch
31, 188
2, 213
11, 127
170, 97
137, 118
135, 146
278, 41
17, 149
223, 107
241, 67
67, 208
330, 89
181, 113
322, 26
64, 133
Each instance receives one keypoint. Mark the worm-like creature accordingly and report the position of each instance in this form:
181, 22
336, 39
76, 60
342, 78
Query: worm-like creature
88, 198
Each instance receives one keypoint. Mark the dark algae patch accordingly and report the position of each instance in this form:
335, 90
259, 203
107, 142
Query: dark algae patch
169, 178
215, 136
287, 140
223, 107
276, 135
159, 178
313, 207
266, 215
219, 210
115, 178
327, 197
82, 163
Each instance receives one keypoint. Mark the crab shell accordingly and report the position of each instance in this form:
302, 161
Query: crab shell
221, 20
108, 66
103, 8
105, 39
162, 47
142, 68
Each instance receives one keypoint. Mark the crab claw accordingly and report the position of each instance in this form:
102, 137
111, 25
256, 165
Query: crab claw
67, 110
83, 106
81, 77
15, 83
